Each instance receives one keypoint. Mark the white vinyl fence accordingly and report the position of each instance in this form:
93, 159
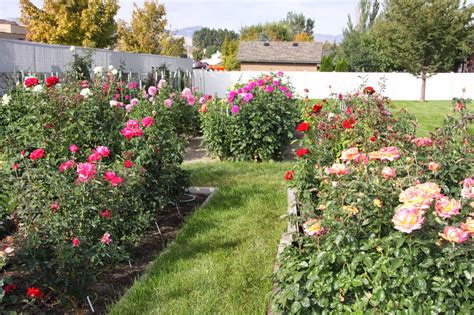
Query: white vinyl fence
18, 55
398, 86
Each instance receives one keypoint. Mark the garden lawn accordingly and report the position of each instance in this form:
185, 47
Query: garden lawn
223, 257
430, 114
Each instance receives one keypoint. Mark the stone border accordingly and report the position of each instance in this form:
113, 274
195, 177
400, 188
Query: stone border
204, 190
287, 237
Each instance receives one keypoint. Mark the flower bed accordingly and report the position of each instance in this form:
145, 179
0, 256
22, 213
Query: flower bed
255, 122
92, 163
386, 217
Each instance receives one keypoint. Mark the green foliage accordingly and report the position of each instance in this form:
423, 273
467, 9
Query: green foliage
81, 65
76, 22
54, 118
298, 24
198, 54
230, 49
212, 39
341, 65
431, 46
358, 262
275, 31
255, 123
326, 64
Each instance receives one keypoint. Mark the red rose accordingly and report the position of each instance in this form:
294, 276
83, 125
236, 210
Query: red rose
15, 166
34, 292
369, 90
106, 214
37, 154
289, 175
373, 138
127, 164
339, 96
301, 152
317, 108
31, 81
304, 126
52, 81
348, 124
8, 288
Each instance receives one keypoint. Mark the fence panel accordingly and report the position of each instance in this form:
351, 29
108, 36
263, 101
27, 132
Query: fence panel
398, 86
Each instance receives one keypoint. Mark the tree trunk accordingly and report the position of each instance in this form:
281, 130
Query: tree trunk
423, 87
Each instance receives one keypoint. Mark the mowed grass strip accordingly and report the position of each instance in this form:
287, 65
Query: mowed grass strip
222, 259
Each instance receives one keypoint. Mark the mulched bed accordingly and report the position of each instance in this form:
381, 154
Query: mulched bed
113, 283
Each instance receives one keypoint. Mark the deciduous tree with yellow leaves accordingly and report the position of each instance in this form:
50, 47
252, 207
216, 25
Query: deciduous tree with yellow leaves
88, 23
147, 32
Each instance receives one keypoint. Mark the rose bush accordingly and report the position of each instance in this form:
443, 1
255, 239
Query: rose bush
255, 122
389, 226
89, 166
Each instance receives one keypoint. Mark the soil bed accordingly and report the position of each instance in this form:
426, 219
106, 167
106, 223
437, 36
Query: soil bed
112, 283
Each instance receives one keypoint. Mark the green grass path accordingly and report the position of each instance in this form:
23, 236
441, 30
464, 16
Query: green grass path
222, 259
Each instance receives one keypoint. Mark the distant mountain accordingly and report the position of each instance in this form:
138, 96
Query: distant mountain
188, 31
329, 38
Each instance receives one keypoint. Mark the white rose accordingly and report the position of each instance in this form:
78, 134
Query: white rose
86, 92
111, 68
330, 116
97, 70
72, 49
38, 88
114, 71
113, 103
6, 99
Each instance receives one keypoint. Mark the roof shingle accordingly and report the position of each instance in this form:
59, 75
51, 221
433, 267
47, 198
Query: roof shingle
280, 52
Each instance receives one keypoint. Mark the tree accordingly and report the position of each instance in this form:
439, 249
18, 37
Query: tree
211, 40
198, 54
147, 32
275, 31
230, 49
303, 37
361, 47
426, 36
341, 65
326, 64
88, 23
298, 23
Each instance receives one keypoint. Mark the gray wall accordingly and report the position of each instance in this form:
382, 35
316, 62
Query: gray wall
18, 55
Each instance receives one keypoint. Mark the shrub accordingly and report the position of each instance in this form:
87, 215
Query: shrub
389, 227
90, 164
255, 122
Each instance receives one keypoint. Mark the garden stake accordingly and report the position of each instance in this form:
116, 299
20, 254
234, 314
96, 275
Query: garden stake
159, 231
90, 304
177, 208
130, 263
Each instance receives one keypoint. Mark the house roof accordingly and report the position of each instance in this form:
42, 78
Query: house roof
280, 52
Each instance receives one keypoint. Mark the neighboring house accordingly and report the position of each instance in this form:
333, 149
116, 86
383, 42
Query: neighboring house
285, 56
11, 30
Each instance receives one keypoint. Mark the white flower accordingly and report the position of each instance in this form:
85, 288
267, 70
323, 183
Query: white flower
98, 70
72, 49
38, 88
114, 71
111, 68
330, 116
113, 103
6, 99
85, 92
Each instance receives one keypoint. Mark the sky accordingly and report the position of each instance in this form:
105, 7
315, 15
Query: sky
330, 15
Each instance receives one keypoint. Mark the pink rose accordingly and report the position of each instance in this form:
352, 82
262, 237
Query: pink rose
446, 207
66, 165
408, 219
75, 242
37, 154
106, 239
191, 100
338, 169
134, 102
103, 151
152, 91
454, 235
94, 157
147, 121
161, 84
73, 148
86, 171
168, 103
388, 172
